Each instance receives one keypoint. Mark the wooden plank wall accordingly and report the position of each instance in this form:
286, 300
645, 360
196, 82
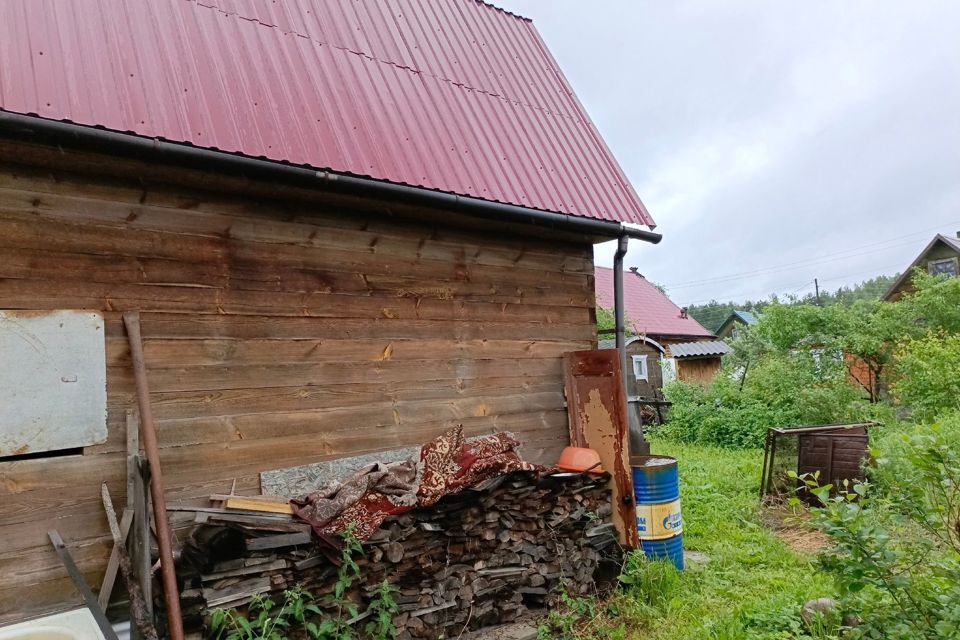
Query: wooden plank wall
653, 385
700, 370
276, 334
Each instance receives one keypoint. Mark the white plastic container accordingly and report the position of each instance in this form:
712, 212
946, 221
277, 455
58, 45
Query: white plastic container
69, 625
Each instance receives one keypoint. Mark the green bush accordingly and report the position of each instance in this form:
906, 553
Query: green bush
735, 410
896, 557
927, 374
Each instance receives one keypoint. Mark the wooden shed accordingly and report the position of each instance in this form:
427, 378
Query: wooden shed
668, 344
697, 361
645, 362
334, 249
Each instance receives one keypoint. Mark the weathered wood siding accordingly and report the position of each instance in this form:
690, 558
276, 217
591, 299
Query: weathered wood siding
276, 334
653, 386
700, 370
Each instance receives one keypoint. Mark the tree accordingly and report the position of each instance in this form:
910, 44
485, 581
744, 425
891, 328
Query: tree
712, 314
607, 325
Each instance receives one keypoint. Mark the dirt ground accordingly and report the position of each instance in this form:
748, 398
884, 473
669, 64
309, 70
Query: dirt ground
794, 528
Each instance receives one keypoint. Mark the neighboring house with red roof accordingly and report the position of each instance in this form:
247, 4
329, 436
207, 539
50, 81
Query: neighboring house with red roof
667, 342
347, 225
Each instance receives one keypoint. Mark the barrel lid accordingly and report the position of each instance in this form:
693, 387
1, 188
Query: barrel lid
652, 461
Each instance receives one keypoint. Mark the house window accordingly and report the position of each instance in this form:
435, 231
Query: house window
640, 367
947, 266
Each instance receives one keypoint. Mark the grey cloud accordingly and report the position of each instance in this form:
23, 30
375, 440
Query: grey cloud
766, 133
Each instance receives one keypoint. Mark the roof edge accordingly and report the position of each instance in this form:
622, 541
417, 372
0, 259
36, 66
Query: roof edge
502, 10
34, 128
908, 272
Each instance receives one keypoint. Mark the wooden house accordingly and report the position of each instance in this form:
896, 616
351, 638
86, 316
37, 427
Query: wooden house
667, 343
346, 226
737, 319
941, 256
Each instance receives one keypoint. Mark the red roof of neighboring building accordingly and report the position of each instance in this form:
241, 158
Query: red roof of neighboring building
451, 95
650, 311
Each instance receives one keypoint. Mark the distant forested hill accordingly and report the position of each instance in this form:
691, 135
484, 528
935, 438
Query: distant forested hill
712, 314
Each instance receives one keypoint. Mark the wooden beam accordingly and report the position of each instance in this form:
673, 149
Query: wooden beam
88, 597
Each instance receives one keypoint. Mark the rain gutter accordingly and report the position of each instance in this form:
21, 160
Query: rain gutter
54, 132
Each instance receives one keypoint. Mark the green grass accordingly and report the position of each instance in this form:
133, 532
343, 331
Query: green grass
752, 578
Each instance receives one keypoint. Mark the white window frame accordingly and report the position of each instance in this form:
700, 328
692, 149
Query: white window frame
640, 372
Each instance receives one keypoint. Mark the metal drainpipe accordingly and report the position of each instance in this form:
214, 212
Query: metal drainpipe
638, 445
622, 243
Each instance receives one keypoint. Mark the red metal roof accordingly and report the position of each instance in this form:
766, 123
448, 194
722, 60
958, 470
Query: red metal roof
651, 313
452, 95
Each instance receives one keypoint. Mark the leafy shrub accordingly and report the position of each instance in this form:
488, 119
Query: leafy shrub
783, 624
928, 374
299, 615
648, 589
735, 410
652, 583
897, 556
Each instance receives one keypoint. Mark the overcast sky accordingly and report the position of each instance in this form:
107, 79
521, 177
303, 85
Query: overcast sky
772, 142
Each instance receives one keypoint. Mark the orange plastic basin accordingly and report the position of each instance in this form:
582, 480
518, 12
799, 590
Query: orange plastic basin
580, 459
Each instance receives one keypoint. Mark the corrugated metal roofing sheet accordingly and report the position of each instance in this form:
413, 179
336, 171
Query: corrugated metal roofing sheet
950, 241
651, 312
452, 95
699, 349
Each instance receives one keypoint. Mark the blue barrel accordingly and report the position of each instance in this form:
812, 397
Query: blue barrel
656, 486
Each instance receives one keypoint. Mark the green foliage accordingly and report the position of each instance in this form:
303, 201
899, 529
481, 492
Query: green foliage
573, 618
712, 314
791, 367
897, 554
928, 374
607, 324
381, 608
651, 584
736, 409
263, 620
780, 624
935, 305
750, 579
648, 588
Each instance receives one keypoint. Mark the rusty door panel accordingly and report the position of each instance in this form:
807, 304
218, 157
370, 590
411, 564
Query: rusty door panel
597, 407
837, 457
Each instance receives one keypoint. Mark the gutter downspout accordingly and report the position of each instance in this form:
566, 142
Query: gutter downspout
638, 444
618, 318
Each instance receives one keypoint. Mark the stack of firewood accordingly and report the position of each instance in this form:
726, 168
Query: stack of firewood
481, 557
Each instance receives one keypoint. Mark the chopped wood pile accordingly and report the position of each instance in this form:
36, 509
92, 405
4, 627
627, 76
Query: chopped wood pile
480, 557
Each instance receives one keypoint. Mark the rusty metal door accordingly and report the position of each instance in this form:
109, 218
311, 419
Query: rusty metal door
837, 457
597, 408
